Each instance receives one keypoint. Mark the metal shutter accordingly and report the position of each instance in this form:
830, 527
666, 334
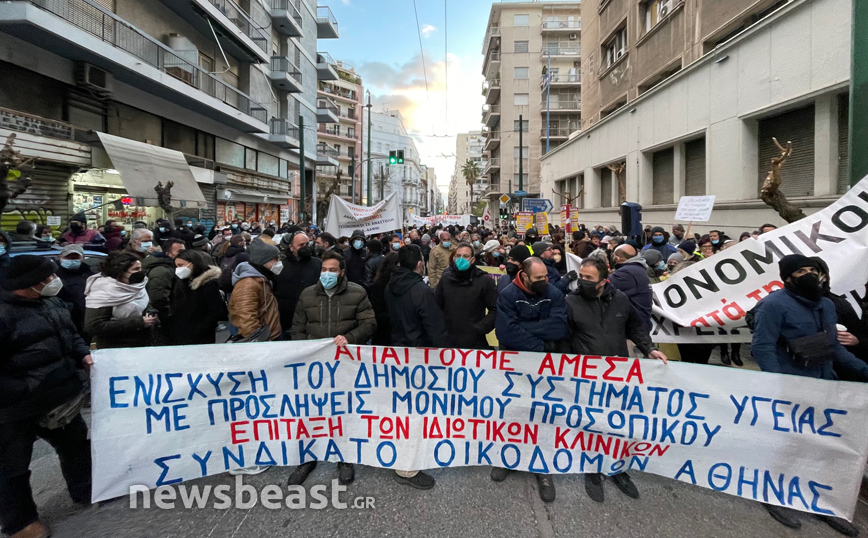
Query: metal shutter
694, 182
664, 176
48, 196
580, 185
605, 188
843, 141
208, 215
797, 173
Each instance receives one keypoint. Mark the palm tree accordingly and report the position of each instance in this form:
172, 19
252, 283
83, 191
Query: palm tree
471, 173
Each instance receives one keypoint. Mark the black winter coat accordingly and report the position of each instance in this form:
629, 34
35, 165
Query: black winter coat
632, 280
39, 358
72, 292
355, 260
377, 295
413, 312
602, 325
199, 306
288, 285
372, 265
469, 307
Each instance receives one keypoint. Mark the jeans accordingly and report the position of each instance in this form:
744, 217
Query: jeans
17, 508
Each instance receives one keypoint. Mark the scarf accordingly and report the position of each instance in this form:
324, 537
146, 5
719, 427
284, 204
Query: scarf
127, 300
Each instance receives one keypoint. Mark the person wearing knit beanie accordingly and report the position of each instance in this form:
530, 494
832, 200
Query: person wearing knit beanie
26, 272
261, 253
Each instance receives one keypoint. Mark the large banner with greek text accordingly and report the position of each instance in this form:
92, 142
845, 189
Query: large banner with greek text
445, 220
707, 301
344, 218
166, 415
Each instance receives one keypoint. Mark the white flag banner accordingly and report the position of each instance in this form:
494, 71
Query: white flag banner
344, 218
446, 220
707, 301
487, 217
167, 415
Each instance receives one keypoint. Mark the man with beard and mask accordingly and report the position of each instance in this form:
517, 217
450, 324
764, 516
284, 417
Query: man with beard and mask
631, 278
531, 316
600, 320
324, 242
782, 320
544, 251
677, 235
79, 234
514, 259
301, 271
355, 256
253, 304
658, 243
468, 298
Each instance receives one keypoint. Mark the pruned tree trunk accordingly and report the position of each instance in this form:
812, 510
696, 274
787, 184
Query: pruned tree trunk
11, 166
164, 199
618, 169
771, 193
322, 206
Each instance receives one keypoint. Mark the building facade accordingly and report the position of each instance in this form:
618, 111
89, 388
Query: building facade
339, 146
532, 88
223, 85
468, 147
707, 127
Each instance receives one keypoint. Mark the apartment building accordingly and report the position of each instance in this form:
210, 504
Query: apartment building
468, 147
209, 94
339, 136
687, 96
532, 89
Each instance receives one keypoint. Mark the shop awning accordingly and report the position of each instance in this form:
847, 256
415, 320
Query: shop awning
142, 166
234, 194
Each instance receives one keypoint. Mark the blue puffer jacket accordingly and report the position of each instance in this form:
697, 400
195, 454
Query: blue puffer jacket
784, 313
631, 279
555, 278
526, 322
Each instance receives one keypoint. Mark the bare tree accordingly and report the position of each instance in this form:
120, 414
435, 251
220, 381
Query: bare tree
771, 193
618, 169
328, 188
12, 164
164, 198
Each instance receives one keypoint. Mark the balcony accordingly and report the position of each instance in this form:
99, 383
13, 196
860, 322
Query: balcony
326, 110
492, 164
561, 25
558, 107
326, 23
564, 49
284, 133
560, 133
338, 92
349, 114
326, 155
491, 64
243, 38
80, 31
284, 75
286, 17
492, 140
563, 80
492, 37
324, 69
491, 90
491, 115
336, 132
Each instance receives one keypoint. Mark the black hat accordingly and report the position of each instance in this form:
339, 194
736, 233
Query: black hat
357, 233
520, 253
793, 262
78, 217
26, 271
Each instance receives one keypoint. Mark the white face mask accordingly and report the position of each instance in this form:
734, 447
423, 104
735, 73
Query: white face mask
277, 268
52, 288
183, 272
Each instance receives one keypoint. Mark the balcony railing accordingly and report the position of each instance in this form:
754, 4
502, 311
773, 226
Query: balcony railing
561, 105
493, 162
325, 58
561, 23
563, 78
339, 92
115, 31
327, 104
491, 135
568, 48
556, 132
493, 56
282, 127
333, 131
327, 23
327, 151
282, 64
243, 21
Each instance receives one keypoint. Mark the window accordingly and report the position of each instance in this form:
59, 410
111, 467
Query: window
525, 152
606, 188
229, 153
351, 132
663, 180
521, 20
250, 159
616, 47
268, 164
525, 126
521, 46
515, 182
797, 126
694, 179
520, 73
656, 11
521, 99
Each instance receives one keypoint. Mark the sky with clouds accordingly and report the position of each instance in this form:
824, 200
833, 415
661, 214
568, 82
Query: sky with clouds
380, 39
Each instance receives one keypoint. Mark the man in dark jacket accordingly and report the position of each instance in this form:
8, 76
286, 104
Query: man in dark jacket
159, 268
74, 274
467, 296
600, 320
631, 278
797, 311
235, 253
855, 336
544, 251
416, 322
40, 391
183, 233
659, 243
355, 256
372, 263
301, 271
514, 259
531, 316
332, 308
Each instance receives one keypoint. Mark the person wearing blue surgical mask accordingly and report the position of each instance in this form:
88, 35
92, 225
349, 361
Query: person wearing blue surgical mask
74, 273
356, 256
338, 309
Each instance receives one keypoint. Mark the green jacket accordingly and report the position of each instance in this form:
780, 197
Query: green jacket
108, 332
348, 312
160, 270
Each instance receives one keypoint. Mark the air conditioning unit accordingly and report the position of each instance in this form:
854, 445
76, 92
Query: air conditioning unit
574, 37
664, 8
577, 65
93, 78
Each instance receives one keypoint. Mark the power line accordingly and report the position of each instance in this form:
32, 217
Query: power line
446, 61
422, 52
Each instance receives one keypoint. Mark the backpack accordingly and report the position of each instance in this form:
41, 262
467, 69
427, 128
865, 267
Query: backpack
227, 266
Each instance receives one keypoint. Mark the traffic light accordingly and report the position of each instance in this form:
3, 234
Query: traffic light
400, 153
393, 157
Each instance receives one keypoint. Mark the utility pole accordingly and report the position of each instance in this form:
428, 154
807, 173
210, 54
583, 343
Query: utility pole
548, 81
858, 93
520, 152
368, 106
301, 171
353, 176
382, 182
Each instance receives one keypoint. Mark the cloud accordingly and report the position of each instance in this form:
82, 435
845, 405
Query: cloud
427, 30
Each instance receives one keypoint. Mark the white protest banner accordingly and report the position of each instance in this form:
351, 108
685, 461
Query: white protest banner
344, 218
707, 302
446, 220
487, 219
166, 415
695, 208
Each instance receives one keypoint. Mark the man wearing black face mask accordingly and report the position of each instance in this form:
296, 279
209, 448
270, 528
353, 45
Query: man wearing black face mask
600, 320
301, 270
468, 298
516, 256
794, 333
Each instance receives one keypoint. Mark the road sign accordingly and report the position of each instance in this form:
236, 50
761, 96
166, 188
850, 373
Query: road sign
520, 193
537, 205
504, 198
